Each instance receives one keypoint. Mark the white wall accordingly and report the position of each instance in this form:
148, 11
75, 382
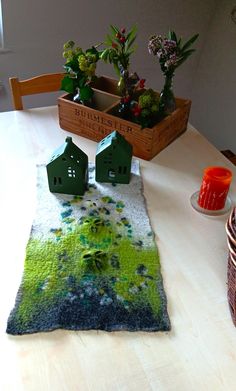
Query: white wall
36, 30
214, 91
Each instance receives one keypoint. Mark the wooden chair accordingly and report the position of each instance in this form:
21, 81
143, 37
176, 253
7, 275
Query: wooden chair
44, 83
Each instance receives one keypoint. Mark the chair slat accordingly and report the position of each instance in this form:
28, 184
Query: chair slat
36, 85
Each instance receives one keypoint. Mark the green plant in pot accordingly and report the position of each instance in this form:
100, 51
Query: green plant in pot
80, 70
146, 110
119, 48
171, 53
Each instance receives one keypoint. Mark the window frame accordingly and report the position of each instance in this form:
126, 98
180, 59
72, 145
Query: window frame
3, 49
1, 28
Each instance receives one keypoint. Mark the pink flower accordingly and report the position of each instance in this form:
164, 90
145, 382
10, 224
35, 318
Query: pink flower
172, 61
169, 45
154, 44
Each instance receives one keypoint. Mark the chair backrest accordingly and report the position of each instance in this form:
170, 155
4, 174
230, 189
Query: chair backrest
36, 85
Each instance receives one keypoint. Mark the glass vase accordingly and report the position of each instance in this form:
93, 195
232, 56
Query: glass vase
124, 110
122, 86
124, 105
77, 99
167, 100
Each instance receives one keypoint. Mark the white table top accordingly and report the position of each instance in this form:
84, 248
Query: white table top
199, 353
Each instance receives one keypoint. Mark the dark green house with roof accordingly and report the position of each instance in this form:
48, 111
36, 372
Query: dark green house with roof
113, 159
68, 170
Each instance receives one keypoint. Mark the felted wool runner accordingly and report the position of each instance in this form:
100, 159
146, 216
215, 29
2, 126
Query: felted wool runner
91, 262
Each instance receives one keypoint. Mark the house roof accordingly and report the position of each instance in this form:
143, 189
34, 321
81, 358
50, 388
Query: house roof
114, 138
69, 149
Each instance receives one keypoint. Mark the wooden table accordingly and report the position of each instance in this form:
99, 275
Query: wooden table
200, 351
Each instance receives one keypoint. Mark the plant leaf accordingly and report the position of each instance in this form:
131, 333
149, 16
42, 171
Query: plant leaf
73, 64
185, 56
112, 55
68, 84
81, 81
131, 51
114, 29
108, 40
104, 54
132, 33
117, 69
189, 42
174, 37
92, 50
85, 93
187, 53
129, 43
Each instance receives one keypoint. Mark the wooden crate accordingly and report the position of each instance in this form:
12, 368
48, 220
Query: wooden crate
106, 84
97, 123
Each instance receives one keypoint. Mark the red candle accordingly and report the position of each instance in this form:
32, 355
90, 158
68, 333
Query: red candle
214, 189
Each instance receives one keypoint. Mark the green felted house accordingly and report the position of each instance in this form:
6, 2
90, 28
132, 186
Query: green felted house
113, 159
68, 170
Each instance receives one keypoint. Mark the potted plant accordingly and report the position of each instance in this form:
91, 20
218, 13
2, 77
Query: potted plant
119, 48
146, 110
80, 70
136, 113
171, 53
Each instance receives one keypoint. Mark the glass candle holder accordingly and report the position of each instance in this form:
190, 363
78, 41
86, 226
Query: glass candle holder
213, 195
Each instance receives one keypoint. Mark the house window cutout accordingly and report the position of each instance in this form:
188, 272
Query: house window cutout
71, 172
57, 181
124, 171
108, 159
111, 174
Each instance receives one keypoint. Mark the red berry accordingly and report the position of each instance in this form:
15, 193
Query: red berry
114, 45
127, 99
142, 83
137, 113
137, 110
122, 39
118, 35
123, 30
